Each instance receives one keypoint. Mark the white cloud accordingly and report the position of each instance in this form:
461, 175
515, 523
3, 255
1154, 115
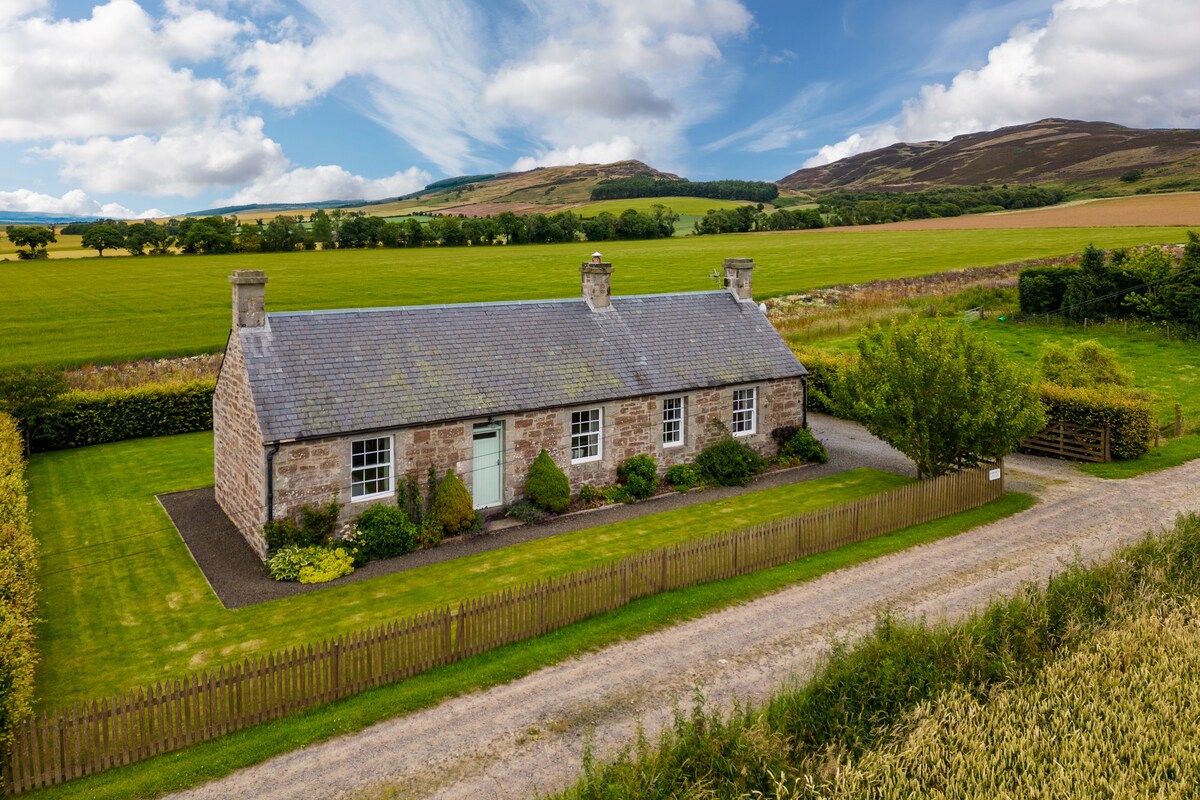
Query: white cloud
112, 73
330, 182
1133, 62
73, 203
182, 161
620, 148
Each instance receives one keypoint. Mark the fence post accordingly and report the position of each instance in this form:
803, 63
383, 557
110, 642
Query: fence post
1178, 420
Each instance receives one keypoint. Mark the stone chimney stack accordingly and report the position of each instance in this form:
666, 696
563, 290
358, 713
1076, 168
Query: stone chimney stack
249, 298
597, 280
739, 277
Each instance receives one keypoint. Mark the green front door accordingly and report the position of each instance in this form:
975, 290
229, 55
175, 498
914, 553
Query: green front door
487, 466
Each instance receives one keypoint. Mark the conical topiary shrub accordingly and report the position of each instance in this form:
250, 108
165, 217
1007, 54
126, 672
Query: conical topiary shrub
452, 505
547, 484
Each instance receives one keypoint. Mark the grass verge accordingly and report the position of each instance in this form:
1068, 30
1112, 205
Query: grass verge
1171, 454
212, 760
871, 694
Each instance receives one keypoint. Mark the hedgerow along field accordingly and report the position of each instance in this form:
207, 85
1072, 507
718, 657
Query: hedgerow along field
102, 310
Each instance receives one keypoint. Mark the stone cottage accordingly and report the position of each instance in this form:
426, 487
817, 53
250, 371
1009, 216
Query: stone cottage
316, 405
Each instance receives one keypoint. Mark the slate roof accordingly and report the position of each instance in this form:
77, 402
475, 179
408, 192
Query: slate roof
322, 373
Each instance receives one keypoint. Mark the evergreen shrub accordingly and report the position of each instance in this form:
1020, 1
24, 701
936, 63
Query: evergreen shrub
729, 463
547, 485
799, 444
639, 475
452, 507
682, 477
385, 531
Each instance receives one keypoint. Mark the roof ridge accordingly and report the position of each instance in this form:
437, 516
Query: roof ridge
483, 304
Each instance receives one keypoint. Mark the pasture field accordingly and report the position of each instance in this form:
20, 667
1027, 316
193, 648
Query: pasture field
102, 310
66, 246
124, 604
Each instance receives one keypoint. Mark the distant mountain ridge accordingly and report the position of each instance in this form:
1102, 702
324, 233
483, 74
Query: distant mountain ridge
41, 218
1068, 152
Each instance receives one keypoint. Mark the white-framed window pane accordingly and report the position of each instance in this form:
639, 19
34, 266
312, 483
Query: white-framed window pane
370, 467
672, 422
744, 407
585, 435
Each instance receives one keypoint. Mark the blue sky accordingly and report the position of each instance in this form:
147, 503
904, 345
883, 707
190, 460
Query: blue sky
127, 106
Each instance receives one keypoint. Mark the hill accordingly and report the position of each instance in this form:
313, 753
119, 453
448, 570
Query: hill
39, 218
1082, 157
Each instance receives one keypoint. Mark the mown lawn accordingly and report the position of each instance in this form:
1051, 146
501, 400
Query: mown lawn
124, 604
99, 310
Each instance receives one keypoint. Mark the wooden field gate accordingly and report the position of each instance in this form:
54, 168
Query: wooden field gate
1075, 442
92, 737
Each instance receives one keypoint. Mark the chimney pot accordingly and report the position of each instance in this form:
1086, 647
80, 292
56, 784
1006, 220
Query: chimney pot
597, 280
249, 298
739, 277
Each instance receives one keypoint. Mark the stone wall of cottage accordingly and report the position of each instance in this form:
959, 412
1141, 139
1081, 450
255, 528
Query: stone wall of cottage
239, 459
318, 471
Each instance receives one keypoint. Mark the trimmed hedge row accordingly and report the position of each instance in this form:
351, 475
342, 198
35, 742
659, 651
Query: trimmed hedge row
1130, 420
18, 584
79, 418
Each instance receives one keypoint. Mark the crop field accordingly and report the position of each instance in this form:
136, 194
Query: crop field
1182, 208
71, 312
124, 604
67, 246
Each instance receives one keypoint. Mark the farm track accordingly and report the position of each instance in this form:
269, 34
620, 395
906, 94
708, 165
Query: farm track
529, 735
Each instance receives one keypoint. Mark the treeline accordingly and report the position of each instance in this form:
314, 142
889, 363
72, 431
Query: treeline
1151, 284
870, 208
352, 230
750, 218
645, 186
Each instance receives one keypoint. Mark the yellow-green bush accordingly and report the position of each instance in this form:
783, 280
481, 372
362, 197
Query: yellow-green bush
79, 418
1128, 415
18, 584
827, 373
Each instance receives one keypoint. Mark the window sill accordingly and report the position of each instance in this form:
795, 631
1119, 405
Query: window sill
367, 497
671, 445
739, 434
587, 460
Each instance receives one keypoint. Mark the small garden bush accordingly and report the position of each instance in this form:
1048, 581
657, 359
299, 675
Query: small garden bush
452, 508
639, 475
1086, 363
682, 477
547, 485
591, 495
316, 525
528, 512
798, 444
384, 532
314, 564
430, 534
729, 463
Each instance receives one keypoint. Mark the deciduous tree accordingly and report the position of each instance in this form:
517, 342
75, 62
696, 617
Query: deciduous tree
35, 237
942, 395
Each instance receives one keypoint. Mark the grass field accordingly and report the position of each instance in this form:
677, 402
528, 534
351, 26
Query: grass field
698, 206
124, 604
102, 310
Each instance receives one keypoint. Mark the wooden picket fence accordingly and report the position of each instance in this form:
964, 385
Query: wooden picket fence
51, 748
1075, 442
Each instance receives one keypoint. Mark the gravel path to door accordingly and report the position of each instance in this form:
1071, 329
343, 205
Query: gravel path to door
528, 735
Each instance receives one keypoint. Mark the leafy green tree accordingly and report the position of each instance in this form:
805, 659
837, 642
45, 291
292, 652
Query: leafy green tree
282, 234
26, 394
942, 395
103, 237
1086, 363
322, 229
35, 237
206, 235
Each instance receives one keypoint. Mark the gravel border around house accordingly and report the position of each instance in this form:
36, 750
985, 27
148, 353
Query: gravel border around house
239, 579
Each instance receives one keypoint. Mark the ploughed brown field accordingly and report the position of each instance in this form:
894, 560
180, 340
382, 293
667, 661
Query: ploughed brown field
1182, 208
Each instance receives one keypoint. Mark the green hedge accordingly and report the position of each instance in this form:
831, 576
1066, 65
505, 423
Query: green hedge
1041, 289
83, 418
18, 585
1129, 417
826, 372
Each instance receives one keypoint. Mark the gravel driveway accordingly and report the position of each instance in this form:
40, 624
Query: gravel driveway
528, 735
